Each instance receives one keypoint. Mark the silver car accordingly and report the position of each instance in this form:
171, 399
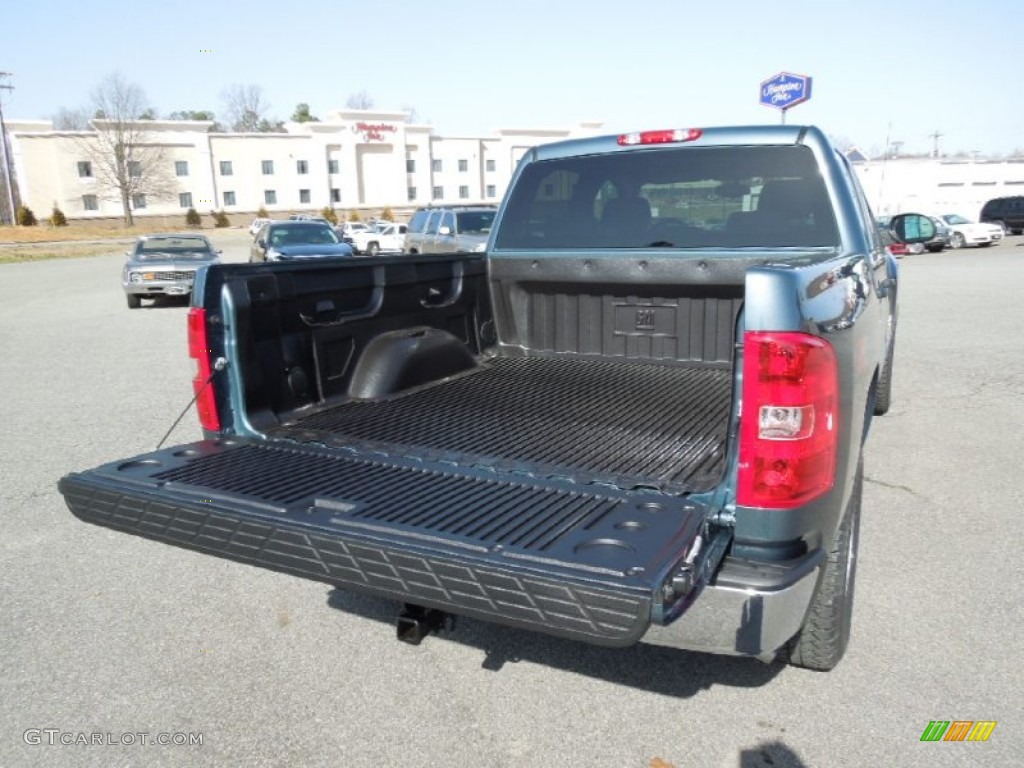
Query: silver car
164, 265
450, 229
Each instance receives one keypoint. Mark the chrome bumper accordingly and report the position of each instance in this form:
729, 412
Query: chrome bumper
755, 619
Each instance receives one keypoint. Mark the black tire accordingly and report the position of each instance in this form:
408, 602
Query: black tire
935, 248
134, 302
883, 392
984, 245
373, 249
823, 639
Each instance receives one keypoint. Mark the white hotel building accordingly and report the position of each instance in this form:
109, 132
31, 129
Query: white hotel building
363, 160
354, 160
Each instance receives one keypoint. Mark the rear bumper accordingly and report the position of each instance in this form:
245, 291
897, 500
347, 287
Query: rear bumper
750, 610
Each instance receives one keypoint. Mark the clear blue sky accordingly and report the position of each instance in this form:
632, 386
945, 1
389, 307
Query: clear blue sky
469, 67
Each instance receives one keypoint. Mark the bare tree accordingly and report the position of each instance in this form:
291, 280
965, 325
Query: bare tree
71, 119
126, 160
245, 109
412, 112
361, 100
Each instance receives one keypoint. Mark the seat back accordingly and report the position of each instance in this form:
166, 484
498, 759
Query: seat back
625, 221
791, 212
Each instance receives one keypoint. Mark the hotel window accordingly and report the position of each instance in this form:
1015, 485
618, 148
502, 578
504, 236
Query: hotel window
412, 194
332, 166
463, 166
303, 195
438, 192
229, 198
490, 165
270, 197
335, 195
463, 193
492, 191
181, 168
85, 172
134, 169
268, 167
185, 199
138, 201
90, 203
225, 168
435, 166
410, 165
302, 166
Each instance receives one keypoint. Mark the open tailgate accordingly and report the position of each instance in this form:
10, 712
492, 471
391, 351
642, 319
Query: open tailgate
581, 561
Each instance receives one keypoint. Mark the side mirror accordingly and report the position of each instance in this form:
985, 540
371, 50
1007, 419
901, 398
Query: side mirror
912, 228
262, 243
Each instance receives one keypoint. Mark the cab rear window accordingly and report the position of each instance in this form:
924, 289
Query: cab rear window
700, 197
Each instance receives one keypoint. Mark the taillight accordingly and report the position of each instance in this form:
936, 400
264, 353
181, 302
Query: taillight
199, 350
673, 135
788, 436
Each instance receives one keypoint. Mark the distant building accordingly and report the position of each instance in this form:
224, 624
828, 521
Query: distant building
353, 159
938, 185
369, 159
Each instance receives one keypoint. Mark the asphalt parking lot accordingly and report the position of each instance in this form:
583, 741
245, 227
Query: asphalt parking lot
108, 634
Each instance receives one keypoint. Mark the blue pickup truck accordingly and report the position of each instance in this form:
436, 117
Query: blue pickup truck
638, 416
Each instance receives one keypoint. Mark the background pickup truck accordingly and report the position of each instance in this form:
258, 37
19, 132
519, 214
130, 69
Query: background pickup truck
637, 417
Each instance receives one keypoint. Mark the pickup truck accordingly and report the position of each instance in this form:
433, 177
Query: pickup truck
384, 238
638, 416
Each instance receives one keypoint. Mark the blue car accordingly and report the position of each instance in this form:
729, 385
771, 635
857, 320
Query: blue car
286, 240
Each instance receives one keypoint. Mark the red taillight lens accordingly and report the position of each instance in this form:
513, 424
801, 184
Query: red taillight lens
199, 350
673, 135
788, 436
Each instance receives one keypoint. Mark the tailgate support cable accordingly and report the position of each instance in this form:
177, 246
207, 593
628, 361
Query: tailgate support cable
218, 365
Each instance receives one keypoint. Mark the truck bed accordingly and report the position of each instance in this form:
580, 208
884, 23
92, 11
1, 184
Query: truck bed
625, 424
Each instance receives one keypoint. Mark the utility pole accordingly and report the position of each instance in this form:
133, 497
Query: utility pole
7, 157
935, 142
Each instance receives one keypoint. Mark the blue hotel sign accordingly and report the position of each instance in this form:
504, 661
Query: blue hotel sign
785, 90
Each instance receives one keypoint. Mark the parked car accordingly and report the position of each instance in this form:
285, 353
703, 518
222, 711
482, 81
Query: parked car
349, 228
283, 240
450, 229
307, 217
964, 232
385, 238
1006, 212
942, 239
257, 223
164, 265
896, 246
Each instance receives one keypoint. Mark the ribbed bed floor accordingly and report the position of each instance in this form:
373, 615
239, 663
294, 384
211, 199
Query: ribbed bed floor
629, 424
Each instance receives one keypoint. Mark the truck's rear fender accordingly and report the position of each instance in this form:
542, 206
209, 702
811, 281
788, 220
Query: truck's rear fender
836, 301
302, 334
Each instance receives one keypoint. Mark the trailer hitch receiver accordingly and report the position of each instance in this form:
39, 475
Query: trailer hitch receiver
416, 622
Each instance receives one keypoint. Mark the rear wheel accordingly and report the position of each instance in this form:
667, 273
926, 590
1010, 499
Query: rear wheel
956, 240
373, 249
883, 392
822, 640
134, 302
